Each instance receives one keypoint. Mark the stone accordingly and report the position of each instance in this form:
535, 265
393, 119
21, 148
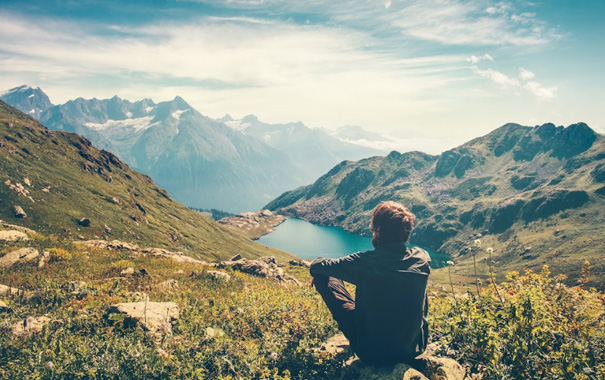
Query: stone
168, 284
155, 317
43, 258
77, 289
218, 275
4, 307
265, 267
19, 213
8, 290
17, 256
425, 367
236, 257
300, 263
30, 325
84, 222
127, 271
13, 235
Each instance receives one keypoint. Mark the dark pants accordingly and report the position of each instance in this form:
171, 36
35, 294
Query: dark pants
340, 303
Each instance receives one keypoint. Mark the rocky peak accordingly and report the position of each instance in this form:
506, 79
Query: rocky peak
32, 101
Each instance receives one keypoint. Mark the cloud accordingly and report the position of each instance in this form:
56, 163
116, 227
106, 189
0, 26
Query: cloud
540, 91
508, 82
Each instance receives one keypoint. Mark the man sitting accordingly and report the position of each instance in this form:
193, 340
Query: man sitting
386, 321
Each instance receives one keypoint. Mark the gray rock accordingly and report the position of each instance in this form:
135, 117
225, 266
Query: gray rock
425, 366
30, 325
236, 257
13, 235
43, 258
216, 274
265, 267
300, 263
168, 284
19, 213
84, 222
17, 256
8, 290
127, 271
156, 317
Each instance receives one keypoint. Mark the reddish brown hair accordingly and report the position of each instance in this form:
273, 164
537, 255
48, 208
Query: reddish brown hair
391, 223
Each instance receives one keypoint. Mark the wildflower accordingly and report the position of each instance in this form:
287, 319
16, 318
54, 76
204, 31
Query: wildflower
490, 250
49, 365
274, 356
451, 263
477, 242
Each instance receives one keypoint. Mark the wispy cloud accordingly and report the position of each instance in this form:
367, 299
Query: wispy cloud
509, 82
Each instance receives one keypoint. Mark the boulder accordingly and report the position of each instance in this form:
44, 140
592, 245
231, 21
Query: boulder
8, 290
168, 284
30, 325
20, 255
127, 271
43, 258
218, 275
300, 263
84, 222
19, 213
265, 267
425, 367
13, 235
155, 317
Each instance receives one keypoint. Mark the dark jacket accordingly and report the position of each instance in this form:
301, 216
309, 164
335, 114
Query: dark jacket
390, 300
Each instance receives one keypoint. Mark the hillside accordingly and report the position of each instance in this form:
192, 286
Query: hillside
58, 183
536, 195
199, 161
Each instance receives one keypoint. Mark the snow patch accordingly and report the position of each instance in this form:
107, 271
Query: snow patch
31, 96
148, 109
238, 125
138, 124
32, 111
177, 114
129, 114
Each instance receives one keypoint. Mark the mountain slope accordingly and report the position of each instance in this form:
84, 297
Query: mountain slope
521, 190
66, 186
199, 161
313, 151
32, 101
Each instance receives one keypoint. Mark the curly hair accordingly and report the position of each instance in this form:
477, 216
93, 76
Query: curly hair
391, 222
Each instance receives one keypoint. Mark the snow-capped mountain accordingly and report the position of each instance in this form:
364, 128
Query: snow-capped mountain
201, 162
32, 101
314, 151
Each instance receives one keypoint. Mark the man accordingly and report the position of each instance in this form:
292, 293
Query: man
386, 321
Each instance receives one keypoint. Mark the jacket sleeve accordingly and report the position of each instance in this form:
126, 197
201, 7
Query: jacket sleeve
349, 268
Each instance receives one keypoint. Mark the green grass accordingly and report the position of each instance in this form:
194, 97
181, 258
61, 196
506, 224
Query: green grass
78, 176
252, 328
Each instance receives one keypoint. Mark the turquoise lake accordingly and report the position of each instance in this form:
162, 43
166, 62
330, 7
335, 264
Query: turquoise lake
309, 241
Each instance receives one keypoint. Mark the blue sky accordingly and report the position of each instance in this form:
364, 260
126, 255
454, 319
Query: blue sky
438, 72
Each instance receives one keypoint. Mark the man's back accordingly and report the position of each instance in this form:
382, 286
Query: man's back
390, 303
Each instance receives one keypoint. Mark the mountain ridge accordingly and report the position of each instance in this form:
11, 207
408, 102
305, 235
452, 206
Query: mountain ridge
519, 189
59, 183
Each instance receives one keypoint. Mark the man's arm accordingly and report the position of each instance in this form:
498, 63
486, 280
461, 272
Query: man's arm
349, 268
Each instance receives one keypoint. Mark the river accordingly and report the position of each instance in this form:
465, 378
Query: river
309, 241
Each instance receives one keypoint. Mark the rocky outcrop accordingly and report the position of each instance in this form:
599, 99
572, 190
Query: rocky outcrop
116, 245
13, 235
425, 367
265, 267
19, 212
20, 255
253, 224
155, 317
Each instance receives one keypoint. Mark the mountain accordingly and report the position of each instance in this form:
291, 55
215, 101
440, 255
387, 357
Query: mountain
199, 161
32, 101
535, 195
313, 151
58, 183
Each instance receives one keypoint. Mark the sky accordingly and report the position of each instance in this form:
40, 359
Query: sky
435, 73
